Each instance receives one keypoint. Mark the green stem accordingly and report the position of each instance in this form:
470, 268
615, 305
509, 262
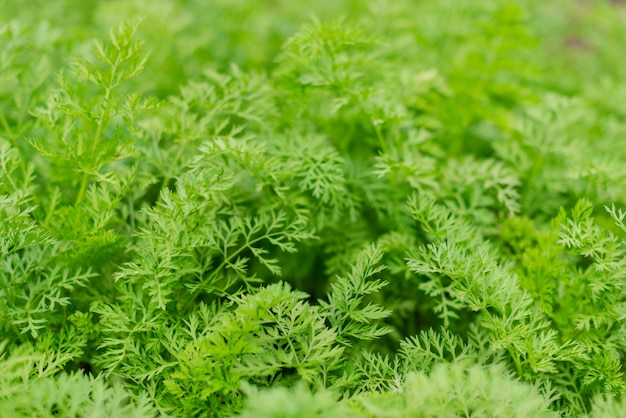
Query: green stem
170, 175
385, 148
518, 365
381, 140
532, 177
6, 126
83, 189
85, 180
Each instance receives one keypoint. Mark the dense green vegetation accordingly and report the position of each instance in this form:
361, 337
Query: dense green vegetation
338, 208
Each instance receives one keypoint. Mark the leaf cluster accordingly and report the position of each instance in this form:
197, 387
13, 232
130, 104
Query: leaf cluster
388, 209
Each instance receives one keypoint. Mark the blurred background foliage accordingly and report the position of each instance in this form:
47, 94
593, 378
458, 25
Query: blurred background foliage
576, 40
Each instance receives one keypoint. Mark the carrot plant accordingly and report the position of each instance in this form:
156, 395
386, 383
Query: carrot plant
318, 209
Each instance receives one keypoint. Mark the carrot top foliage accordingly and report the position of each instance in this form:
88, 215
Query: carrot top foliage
319, 209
